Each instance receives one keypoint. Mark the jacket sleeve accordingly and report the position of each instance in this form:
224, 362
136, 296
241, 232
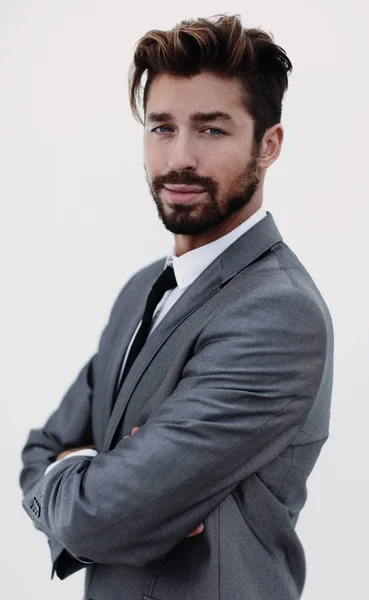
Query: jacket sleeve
68, 427
243, 395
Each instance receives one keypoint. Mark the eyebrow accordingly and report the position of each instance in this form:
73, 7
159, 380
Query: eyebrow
198, 117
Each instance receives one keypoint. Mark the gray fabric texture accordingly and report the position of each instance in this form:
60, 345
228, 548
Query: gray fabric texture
232, 395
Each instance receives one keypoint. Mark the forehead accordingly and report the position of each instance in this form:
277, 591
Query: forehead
203, 93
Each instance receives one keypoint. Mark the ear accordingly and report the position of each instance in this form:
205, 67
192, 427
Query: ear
271, 146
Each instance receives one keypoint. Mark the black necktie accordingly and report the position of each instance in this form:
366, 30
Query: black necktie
166, 281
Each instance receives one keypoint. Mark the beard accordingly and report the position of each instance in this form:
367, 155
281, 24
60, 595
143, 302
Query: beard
199, 217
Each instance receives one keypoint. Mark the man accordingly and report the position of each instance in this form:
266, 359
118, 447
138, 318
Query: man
201, 416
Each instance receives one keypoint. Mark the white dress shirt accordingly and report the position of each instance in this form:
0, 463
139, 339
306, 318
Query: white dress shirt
187, 268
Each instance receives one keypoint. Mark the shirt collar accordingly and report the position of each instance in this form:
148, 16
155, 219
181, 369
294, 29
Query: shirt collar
191, 264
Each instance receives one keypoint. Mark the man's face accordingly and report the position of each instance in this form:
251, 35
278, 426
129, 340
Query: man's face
187, 144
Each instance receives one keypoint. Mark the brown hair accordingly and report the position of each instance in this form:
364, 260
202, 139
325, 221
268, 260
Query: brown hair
218, 45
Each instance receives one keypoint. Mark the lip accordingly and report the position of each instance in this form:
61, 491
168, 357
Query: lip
176, 197
182, 187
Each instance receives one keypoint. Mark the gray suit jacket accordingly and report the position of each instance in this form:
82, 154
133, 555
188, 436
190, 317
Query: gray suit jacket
232, 396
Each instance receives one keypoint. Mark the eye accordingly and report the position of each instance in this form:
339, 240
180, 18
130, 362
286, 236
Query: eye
155, 130
218, 133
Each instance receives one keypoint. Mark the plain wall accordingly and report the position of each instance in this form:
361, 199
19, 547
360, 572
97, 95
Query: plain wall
77, 220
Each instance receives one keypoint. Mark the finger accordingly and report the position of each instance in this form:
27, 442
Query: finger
134, 430
199, 529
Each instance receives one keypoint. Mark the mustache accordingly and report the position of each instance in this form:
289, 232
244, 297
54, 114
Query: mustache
184, 178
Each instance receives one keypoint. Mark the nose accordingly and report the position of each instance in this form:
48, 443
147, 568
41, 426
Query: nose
182, 156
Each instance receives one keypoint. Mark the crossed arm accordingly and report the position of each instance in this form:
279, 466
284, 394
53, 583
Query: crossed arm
242, 398
65, 453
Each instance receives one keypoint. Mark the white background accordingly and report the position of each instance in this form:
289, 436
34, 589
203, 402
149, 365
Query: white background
77, 220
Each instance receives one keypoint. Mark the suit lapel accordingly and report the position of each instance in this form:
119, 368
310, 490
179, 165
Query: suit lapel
122, 336
236, 257
203, 288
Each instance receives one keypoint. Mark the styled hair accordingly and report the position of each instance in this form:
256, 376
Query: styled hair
222, 46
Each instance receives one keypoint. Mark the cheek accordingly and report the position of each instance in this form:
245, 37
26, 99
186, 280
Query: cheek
154, 161
226, 172
146, 155
224, 161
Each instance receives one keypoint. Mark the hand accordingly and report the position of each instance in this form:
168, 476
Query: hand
66, 452
199, 528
